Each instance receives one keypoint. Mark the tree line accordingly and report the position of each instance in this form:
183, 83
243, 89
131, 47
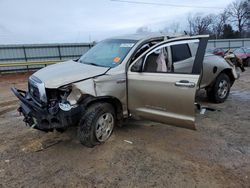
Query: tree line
232, 22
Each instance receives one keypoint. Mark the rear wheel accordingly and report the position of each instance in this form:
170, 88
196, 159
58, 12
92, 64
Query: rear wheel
97, 125
220, 90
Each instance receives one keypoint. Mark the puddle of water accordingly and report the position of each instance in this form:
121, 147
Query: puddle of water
241, 95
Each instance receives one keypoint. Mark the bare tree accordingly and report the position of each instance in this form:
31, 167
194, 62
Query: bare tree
237, 12
143, 29
190, 24
173, 28
200, 24
218, 24
236, 15
248, 18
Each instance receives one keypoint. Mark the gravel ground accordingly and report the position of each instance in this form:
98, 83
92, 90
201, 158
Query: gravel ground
216, 155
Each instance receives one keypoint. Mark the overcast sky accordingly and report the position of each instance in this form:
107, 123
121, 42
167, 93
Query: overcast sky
57, 21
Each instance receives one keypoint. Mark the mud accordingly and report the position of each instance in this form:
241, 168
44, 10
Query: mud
217, 154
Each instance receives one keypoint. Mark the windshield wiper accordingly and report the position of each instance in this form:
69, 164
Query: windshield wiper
88, 63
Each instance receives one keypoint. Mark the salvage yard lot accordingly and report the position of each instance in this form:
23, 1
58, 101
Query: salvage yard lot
216, 155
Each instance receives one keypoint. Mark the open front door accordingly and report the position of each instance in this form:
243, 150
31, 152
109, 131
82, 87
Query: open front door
162, 82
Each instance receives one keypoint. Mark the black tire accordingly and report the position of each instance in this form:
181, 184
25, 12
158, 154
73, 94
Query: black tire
88, 123
215, 93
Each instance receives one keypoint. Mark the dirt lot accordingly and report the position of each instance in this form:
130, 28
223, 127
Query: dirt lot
216, 155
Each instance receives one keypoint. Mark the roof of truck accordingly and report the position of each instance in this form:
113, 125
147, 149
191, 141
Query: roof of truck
143, 36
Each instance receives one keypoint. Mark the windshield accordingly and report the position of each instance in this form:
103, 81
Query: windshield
108, 53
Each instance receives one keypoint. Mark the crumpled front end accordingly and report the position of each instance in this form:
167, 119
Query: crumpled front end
46, 109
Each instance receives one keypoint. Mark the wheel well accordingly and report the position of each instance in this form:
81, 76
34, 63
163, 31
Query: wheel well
229, 73
90, 100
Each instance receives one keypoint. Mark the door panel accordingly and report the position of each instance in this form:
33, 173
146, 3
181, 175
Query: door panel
158, 98
166, 97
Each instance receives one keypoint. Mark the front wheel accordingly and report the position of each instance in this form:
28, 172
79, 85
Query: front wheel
97, 125
220, 90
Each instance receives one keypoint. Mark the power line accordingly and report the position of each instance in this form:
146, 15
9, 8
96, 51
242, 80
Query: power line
164, 4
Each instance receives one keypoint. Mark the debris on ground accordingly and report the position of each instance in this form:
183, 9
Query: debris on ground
45, 142
128, 141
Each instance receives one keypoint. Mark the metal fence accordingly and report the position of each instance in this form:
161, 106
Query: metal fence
229, 43
34, 56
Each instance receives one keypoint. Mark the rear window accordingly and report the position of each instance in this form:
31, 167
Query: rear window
180, 52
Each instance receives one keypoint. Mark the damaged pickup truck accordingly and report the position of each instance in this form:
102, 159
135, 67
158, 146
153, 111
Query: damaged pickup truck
155, 77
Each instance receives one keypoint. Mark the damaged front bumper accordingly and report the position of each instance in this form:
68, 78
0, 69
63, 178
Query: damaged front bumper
40, 117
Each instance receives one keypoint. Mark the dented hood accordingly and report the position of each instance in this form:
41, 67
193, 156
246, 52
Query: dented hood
67, 72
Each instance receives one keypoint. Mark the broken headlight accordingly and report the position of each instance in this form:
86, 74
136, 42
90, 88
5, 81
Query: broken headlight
69, 97
37, 89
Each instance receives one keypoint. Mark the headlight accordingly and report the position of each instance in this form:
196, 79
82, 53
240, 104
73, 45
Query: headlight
39, 85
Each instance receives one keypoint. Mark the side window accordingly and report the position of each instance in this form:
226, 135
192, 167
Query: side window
144, 48
137, 66
175, 57
180, 52
140, 51
157, 61
183, 56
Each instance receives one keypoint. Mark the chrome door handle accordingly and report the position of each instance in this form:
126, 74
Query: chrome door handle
120, 81
185, 83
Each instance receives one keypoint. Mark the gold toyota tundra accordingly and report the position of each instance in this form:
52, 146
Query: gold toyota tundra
148, 76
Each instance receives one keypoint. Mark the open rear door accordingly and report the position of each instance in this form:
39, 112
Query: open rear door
163, 81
